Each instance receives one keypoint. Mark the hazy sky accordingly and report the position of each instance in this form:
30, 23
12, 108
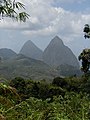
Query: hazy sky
48, 18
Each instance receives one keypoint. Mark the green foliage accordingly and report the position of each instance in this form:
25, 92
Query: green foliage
41, 90
11, 8
86, 85
72, 107
8, 92
86, 29
77, 106
19, 84
60, 100
8, 98
58, 81
69, 83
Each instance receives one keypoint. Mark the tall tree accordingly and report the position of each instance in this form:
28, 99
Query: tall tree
12, 9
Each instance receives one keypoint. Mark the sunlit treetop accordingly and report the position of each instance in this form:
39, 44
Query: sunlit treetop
13, 9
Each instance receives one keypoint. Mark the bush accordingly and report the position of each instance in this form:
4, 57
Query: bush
58, 81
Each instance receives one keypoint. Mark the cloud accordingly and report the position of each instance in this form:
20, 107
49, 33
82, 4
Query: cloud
12, 25
57, 21
47, 19
68, 1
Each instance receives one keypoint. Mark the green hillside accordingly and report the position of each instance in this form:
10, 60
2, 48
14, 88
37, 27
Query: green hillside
68, 70
26, 67
63, 99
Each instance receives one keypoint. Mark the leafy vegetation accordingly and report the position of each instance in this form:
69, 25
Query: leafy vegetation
63, 99
12, 8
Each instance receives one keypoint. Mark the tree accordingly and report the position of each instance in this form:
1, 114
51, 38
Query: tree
11, 8
86, 30
58, 81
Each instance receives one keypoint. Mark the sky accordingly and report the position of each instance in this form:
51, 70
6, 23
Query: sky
48, 18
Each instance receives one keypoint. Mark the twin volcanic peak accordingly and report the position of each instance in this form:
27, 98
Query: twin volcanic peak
55, 54
28, 62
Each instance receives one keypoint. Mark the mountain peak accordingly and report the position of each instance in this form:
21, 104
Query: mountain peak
29, 49
57, 40
6, 53
29, 42
56, 37
57, 54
